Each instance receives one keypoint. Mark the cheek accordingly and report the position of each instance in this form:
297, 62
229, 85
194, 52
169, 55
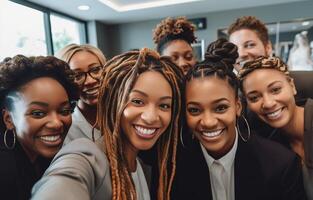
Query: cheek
166, 118
191, 121
67, 121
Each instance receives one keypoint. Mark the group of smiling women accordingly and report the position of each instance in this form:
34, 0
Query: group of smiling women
156, 124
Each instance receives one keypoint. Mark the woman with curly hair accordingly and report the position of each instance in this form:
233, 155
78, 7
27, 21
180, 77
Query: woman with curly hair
173, 38
37, 96
140, 115
87, 62
251, 37
223, 161
269, 92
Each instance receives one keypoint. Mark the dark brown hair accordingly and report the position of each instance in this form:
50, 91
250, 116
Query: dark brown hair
171, 29
253, 24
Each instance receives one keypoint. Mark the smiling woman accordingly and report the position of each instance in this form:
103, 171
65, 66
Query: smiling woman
36, 102
138, 108
220, 163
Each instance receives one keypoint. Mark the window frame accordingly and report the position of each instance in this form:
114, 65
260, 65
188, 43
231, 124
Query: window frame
47, 23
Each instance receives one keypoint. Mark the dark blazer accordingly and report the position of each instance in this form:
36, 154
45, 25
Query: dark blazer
263, 170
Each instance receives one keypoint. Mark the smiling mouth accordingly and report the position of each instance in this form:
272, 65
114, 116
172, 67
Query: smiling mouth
51, 140
274, 115
212, 134
92, 91
145, 132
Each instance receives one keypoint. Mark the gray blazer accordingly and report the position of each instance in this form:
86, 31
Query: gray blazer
79, 171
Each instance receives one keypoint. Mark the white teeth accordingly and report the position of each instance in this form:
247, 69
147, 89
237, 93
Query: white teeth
145, 131
52, 138
274, 115
92, 91
213, 133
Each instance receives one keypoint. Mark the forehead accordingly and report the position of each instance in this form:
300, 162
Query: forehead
262, 78
208, 89
83, 59
44, 89
153, 83
177, 46
243, 35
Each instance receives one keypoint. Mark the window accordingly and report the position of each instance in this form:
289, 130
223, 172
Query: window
22, 30
65, 31
32, 30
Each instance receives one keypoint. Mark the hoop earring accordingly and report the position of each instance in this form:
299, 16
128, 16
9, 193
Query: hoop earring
5, 139
248, 128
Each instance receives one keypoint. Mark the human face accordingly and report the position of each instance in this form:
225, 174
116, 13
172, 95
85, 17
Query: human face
249, 46
271, 96
181, 54
148, 111
84, 61
211, 111
41, 117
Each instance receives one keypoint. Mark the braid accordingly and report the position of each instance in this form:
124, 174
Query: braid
220, 58
118, 79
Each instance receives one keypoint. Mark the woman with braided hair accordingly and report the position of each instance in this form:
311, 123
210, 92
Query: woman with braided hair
223, 161
269, 91
37, 97
139, 106
173, 38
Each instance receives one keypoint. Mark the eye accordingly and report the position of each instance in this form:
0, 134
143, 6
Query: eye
79, 75
189, 56
165, 106
137, 102
193, 110
221, 108
66, 111
95, 70
250, 45
253, 98
276, 90
37, 113
174, 58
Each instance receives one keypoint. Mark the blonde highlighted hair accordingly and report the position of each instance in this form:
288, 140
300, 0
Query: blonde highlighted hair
118, 79
68, 51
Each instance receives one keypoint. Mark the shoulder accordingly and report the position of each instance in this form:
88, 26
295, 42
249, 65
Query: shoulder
272, 153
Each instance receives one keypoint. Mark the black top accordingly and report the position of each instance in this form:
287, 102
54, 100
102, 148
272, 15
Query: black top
263, 170
18, 174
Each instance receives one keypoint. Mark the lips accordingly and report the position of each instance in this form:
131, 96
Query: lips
212, 134
51, 140
274, 115
92, 91
145, 132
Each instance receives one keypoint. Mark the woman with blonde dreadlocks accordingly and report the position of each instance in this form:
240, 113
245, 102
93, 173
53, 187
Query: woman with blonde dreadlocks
173, 38
140, 114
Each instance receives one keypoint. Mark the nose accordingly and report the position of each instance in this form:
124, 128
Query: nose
89, 80
208, 121
55, 121
268, 102
150, 115
183, 64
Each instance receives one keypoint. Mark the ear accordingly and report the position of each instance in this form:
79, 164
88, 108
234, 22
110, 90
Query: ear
292, 84
238, 107
7, 119
269, 49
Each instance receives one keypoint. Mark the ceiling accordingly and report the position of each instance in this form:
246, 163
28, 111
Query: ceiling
124, 11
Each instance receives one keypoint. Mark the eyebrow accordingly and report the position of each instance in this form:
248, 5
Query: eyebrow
214, 102
43, 104
270, 85
144, 94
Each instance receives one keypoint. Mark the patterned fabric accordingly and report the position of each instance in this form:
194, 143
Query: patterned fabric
262, 62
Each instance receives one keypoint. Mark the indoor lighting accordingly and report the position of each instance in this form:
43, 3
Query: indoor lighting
305, 23
83, 7
138, 6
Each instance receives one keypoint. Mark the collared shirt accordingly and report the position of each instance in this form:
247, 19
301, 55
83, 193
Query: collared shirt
140, 183
222, 171
80, 128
